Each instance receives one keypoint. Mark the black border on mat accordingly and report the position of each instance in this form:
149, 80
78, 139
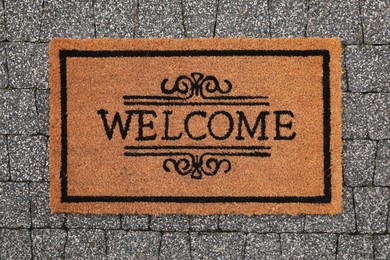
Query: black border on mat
326, 198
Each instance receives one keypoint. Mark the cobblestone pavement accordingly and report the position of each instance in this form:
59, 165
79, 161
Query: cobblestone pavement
28, 230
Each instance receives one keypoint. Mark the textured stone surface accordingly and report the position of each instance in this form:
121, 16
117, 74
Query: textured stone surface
382, 247
341, 223
133, 245
4, 169
199, 17
14, 205
135, 222
259, 223
371, 209
175, 246
204, 223
28, 65
335, 19
354, 116
217, 245
115, 18
288, 18
85, 242
2, 21
28, 157
18, 112
15, 244
48, 243
23, 18
378, 116
355, 247
169, 223
3, 66
382, 169
308, 246
40, 209
42, 106
160, 19
286, 223
262, 246
359, 162
93, 221
376, 19
242, 18
71, 18
368, 68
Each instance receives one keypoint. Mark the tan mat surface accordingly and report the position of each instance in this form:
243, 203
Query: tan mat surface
195, 126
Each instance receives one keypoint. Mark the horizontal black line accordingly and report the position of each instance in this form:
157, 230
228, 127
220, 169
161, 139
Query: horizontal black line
189, 53
153, 97
198, 147
198, 199
127, 97
127, 103
253, 154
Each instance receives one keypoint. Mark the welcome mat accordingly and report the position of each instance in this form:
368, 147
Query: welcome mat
195, 126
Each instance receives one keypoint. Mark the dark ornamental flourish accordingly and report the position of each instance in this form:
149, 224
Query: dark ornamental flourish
196, 84
197, 166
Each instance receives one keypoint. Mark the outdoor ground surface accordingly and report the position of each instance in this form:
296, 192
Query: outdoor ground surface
28, 230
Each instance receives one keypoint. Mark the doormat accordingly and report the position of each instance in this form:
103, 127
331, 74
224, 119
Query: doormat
195, 126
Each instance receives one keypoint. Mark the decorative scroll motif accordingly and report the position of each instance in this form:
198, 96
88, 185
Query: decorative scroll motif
197, 84
197, 166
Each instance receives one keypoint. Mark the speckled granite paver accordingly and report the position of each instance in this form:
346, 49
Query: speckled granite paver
29, 231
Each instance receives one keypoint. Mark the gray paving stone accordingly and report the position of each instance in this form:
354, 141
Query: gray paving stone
242, 18
28, 157
354, 116
376, 19
288, 18
2, 22
382, 247
204, 223
135, 222
175, 246
93, 221
217, 245
286, 223
382, 169
43, 109
28, 65
160, 18
358, 162
3, 65
133, 244
256, 223
115, 18
18, 112
4, 169
199, 17
14, 205
371, 206
355, 247
83, 242
308, 246
23, 19
335, 19
15, 244
64, 18
341, 223
48, 243
40, 207
368, 68
378, 116
169, 223
262, 246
